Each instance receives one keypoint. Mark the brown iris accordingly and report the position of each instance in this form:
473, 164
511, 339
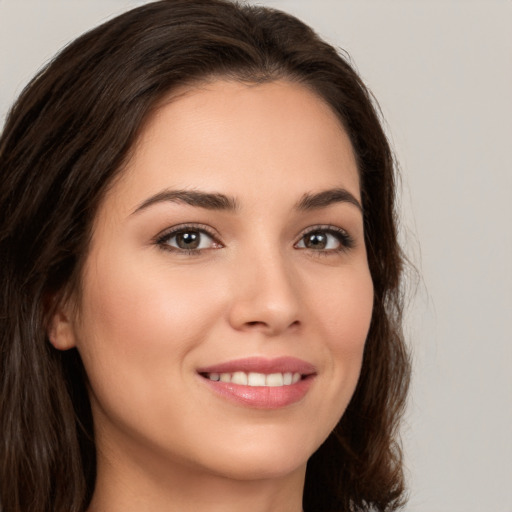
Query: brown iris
188, 239
315, 240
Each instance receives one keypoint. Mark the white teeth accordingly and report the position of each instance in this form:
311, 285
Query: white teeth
275, 379
256, 379
239, 378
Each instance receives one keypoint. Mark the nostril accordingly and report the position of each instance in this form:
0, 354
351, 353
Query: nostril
265, 325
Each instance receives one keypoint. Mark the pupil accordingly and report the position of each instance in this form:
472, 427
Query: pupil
316, 241
188, 240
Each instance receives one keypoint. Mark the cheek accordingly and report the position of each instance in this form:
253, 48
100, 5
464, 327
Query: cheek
138, 323
138, 305
344, 316
345, 309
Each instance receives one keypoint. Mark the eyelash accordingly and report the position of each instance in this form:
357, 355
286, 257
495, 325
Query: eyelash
163, 240
346, 242
343, 237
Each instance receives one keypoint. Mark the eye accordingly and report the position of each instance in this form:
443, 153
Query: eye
327, 239
188, 239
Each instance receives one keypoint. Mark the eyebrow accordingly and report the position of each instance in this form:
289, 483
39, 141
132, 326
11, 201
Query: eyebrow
209, 201
217, 201
327, 198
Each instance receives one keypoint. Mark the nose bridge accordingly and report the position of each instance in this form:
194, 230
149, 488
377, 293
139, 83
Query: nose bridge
266, 295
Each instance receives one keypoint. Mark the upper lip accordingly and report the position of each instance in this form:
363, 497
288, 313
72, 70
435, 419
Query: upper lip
284, 364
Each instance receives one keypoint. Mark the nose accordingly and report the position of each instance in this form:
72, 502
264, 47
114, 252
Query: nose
266, 296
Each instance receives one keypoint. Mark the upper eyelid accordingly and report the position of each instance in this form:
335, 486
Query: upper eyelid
166, 233
323, 227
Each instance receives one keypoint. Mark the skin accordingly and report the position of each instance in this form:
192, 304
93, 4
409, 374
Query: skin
150, 314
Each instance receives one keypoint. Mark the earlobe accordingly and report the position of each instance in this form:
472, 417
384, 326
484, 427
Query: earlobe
60, 330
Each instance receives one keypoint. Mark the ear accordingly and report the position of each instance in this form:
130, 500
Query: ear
61, 329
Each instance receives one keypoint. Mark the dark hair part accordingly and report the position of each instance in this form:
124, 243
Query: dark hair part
66, 139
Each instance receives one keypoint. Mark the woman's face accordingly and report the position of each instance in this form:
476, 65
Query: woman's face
226, 296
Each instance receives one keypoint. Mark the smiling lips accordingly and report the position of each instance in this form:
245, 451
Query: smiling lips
261, 383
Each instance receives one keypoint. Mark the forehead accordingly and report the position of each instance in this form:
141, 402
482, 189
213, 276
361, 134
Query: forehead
235, 137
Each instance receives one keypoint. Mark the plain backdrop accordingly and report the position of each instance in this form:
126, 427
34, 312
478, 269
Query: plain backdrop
442, 72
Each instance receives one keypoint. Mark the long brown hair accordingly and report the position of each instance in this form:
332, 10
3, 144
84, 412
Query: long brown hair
63, 143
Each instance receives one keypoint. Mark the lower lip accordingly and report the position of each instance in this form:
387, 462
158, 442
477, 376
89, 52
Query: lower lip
261, 397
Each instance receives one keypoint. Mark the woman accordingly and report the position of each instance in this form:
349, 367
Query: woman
200, 273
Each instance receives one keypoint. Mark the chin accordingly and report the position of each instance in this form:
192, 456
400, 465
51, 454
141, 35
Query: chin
259, 469
264, 458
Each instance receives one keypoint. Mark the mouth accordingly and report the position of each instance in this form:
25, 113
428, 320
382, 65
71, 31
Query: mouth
256, 379
260, 383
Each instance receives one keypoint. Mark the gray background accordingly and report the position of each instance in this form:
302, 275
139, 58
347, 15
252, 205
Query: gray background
442, 71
